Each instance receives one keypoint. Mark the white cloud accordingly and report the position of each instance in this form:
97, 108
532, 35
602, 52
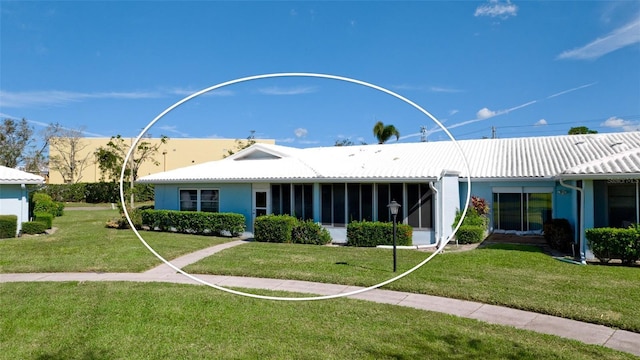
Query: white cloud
618, 123
453, 112
276, 90
540, 122
443, 89
625, 35
496, 8
55, 97
300, 132
485, 113
286, 140
187, 92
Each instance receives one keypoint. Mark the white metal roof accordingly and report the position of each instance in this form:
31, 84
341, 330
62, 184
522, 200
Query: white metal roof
14, 176
514, 158
622, 165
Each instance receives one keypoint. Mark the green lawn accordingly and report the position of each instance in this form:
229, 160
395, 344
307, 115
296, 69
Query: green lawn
83, 244
515, 276
169, 321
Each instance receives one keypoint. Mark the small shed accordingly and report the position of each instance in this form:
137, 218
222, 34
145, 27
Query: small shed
14, 193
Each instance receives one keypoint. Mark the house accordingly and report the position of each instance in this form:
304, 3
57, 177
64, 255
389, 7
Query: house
14, 193
591, 180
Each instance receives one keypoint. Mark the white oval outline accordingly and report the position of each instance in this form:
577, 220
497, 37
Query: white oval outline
276, 75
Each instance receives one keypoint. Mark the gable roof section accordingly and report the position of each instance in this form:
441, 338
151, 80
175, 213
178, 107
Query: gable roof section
621, 165
14, 176
514, 158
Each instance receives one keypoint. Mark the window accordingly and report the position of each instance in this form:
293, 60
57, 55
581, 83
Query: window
622, 199
419, 204
300, 196
206, 200
521, 209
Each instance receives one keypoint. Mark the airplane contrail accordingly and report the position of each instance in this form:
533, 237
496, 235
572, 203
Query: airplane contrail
40, 123
502, 112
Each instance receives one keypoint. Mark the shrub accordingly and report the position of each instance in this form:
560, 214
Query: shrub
613, 243
472, 218
102, 192
33, 227
45, 218
558, 234
470, 234
274, 228
370, 234
8, 226
43, 203
308, 232
192, 222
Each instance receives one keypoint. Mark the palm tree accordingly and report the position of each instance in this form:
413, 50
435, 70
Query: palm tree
385, 132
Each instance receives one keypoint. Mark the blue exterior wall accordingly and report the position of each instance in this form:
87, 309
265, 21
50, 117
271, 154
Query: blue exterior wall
14, 201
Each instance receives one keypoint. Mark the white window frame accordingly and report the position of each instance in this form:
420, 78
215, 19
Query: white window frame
198, 197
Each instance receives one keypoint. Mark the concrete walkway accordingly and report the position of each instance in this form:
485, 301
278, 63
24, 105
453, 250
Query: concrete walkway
588, 333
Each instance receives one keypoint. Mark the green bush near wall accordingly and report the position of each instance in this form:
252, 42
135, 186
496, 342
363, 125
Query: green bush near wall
274, 228
288, 229
371, 234
470, 234
45, 218
613, 243
33, 227
8, 226
192, 222
308, 232
43, 203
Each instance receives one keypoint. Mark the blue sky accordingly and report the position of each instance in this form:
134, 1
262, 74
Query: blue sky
526, 68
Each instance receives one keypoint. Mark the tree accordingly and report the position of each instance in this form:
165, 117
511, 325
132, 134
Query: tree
578, 130
242, 144
111, 157
384, 132
66, 157
347, 142
15, 137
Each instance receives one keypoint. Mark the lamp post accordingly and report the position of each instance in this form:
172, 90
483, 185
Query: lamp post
394, 207
164, 160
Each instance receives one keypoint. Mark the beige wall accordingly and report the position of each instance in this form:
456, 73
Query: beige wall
178, 153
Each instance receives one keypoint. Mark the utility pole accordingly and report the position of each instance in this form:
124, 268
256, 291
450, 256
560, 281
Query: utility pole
423, 133
493, 132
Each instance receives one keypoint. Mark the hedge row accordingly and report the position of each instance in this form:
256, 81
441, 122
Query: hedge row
193, 222
613, 243
100, 192
33, 227
288, 229
8, 226
370, 234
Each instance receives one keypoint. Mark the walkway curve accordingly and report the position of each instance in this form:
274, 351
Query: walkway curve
585, 332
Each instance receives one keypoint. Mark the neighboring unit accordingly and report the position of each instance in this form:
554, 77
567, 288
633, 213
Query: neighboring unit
591, 180
14, 193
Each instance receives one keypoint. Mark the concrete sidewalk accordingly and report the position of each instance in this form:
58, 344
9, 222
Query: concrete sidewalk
588, 333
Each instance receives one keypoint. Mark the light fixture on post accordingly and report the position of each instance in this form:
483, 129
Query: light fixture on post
394, 207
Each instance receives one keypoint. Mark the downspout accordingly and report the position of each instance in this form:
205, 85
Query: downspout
24, 196
438, 233
583, 260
